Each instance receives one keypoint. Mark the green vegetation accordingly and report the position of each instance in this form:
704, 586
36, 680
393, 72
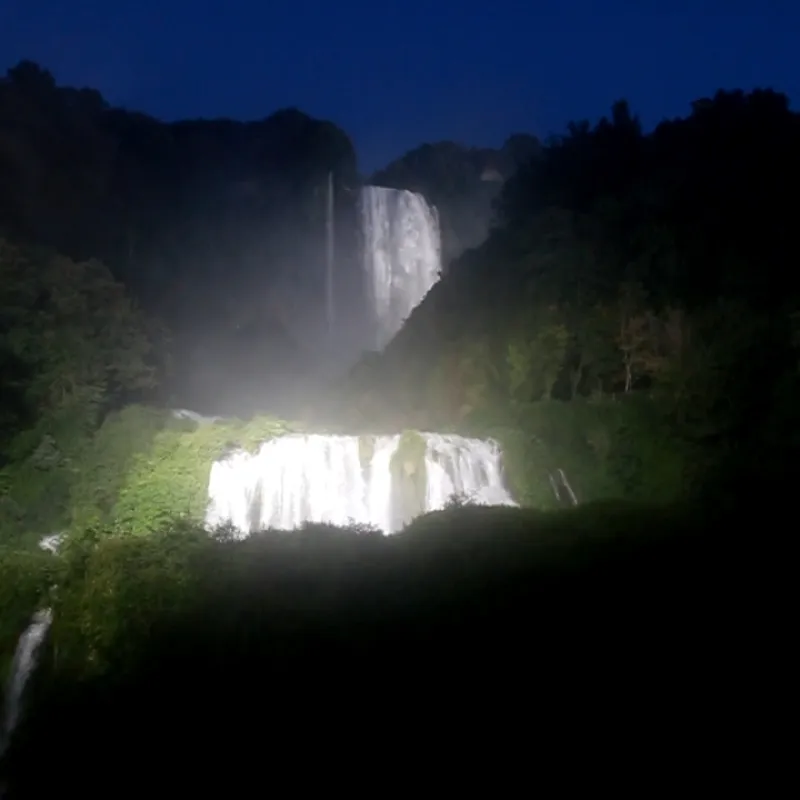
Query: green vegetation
26, 580
115, 589
73, 345
74, 348
141, 482
211, 629
139, 470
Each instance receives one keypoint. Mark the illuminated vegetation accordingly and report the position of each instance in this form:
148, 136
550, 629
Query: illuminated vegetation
140, 483
73, 344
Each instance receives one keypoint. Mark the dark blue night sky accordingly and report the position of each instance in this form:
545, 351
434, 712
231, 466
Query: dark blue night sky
396, 73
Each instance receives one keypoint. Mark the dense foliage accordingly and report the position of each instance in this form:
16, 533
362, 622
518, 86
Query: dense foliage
72, 346
26, 580
470, 614
141, 468
633, 317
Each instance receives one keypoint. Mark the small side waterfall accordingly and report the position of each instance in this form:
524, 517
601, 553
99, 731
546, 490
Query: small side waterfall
25, 660
402, 255
371, 480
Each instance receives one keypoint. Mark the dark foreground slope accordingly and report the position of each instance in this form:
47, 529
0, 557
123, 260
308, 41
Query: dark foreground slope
304, 660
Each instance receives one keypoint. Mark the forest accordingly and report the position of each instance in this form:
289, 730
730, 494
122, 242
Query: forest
632, 318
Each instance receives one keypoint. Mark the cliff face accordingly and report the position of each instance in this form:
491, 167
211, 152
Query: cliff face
462, 182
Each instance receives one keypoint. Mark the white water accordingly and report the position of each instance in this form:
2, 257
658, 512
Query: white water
25, 658
51, 542
335, 479
200, 419
402, 255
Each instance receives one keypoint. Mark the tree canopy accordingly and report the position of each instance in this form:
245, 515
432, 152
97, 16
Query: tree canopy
72, 346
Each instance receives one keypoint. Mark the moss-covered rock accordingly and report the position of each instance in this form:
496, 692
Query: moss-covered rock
366, 451
409, 477
409, 458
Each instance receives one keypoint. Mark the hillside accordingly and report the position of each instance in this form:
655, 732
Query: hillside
633, 318
215, 226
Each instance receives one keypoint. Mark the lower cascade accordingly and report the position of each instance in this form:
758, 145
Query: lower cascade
22, 668
379, 481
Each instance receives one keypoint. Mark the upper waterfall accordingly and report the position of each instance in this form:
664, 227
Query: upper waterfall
381, 481
402, 255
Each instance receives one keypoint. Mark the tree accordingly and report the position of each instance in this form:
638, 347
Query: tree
638, 336
595, 355
536, 355
77, 346
74, 328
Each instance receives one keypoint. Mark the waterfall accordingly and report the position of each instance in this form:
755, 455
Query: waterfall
21, 670
402, 255
371, 480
